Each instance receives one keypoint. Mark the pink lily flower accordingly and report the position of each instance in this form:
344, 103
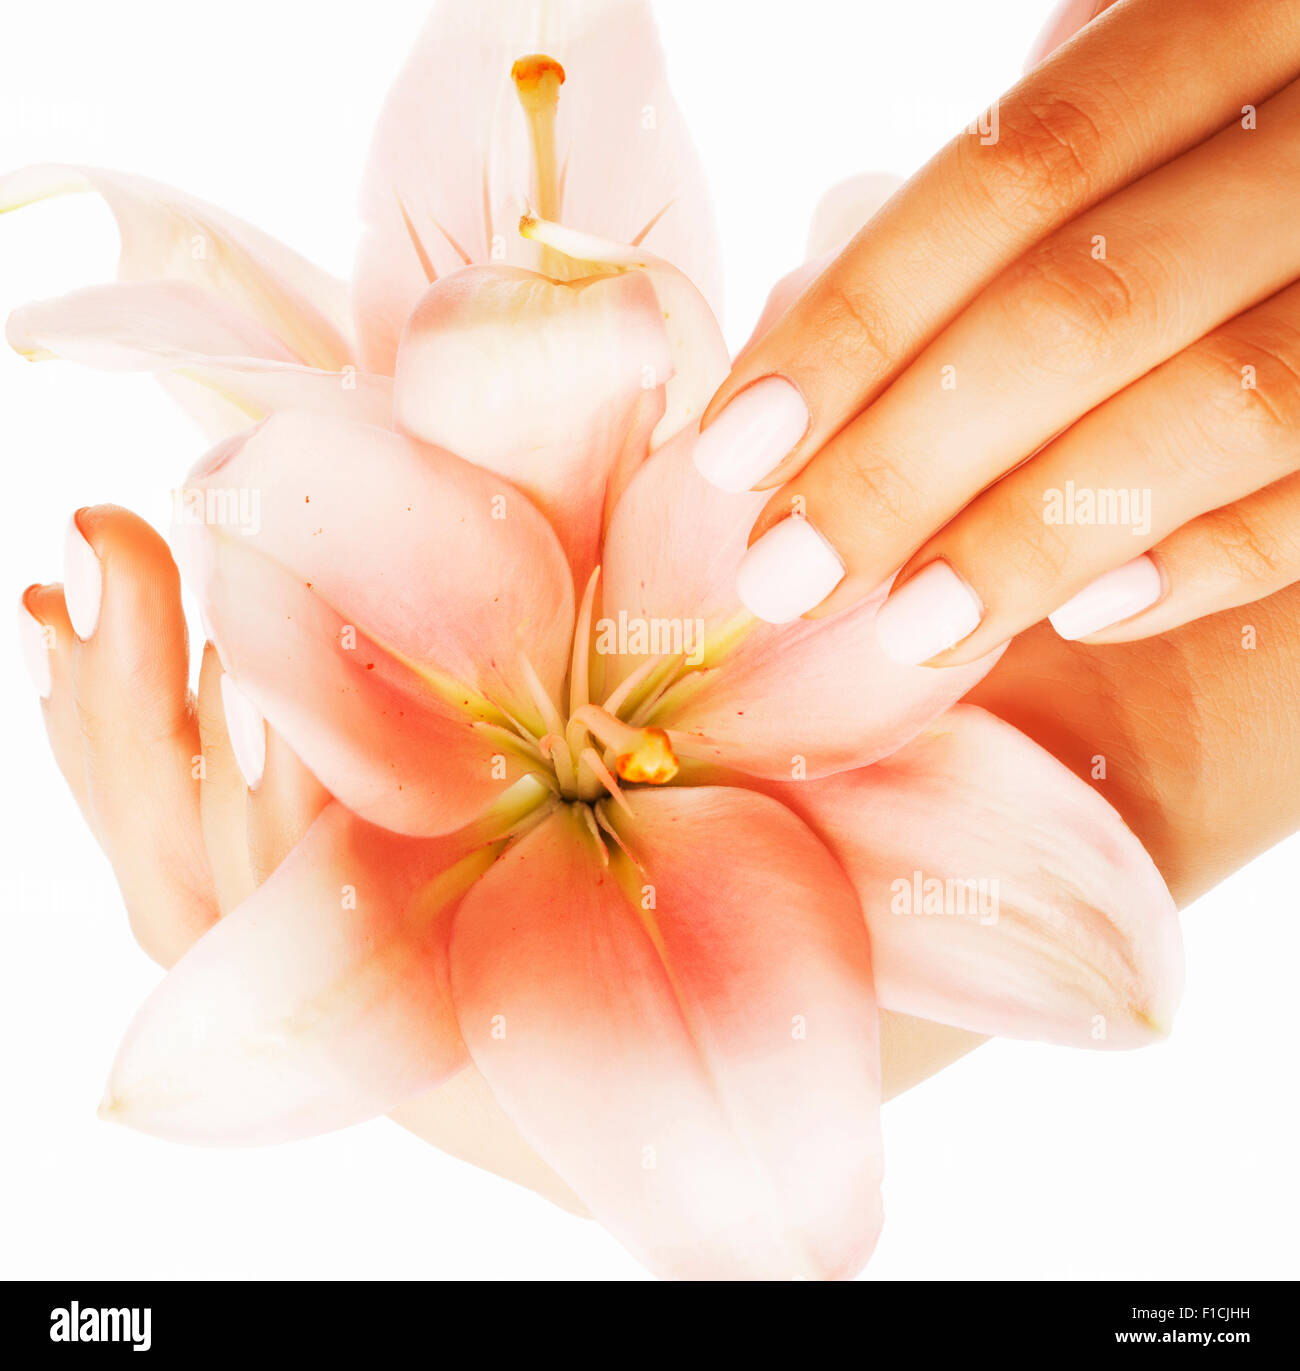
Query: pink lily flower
612, 867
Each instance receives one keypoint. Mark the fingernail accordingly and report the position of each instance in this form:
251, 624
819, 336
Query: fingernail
1110, 599
83, 581
752, 435
247, 730
927, 615
1064, 22
789, 570
33, 636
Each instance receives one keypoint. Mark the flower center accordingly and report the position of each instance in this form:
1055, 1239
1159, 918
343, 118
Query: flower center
585, 752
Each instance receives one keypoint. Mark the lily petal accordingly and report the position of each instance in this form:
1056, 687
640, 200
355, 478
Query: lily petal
321, 1001
692, 1044
810, 697
233, 370
1057, 926
543, 382
377, 613
167, 235
450, 167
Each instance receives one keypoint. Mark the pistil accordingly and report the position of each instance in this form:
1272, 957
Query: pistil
537, 82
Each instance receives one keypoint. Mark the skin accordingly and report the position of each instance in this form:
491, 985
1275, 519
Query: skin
1197, 729
1106, 295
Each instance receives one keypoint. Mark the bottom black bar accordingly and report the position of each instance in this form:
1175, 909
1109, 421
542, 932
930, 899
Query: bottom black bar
56, 1318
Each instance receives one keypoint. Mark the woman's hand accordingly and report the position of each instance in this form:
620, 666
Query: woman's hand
152, 768
1102, 278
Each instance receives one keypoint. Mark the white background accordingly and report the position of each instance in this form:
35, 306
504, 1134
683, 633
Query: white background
1020, 1162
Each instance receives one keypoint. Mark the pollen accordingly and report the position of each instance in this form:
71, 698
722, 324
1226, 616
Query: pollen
652, 761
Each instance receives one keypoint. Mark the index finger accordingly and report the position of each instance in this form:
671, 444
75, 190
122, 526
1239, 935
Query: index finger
1145, 81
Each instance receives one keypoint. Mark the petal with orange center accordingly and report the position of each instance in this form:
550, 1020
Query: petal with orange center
543, 382
320, 1002
691, 1043
451, 165
805, 698
1002, 893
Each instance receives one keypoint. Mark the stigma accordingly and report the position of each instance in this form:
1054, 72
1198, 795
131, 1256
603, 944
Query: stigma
652, 761
642, 756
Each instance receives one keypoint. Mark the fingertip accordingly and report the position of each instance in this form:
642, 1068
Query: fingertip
35, 641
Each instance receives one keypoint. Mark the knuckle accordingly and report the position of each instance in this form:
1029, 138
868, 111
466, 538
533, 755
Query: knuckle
1039, 555
1070, 309
856, 323
1047, 161
1251, 399
1256, 555
873, 492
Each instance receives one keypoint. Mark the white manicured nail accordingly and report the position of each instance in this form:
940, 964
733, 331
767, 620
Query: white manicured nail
34, 637
752, 435
789, 570
927, 615
83, 581
1111, 598
247, 730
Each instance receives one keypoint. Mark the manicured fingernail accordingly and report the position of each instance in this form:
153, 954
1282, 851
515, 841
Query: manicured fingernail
247, 730
34, 637
1110, 599
752, 435
789, 570
927, 615
1065, 20
83, 581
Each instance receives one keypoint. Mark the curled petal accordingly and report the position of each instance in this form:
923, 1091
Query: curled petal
690, 1040
810, 697
167, 235
321, 1001
223, 365
697, 351
1002, 893
450, 169
543, 382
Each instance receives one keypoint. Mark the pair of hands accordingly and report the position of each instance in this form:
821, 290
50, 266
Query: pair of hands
1059, 372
